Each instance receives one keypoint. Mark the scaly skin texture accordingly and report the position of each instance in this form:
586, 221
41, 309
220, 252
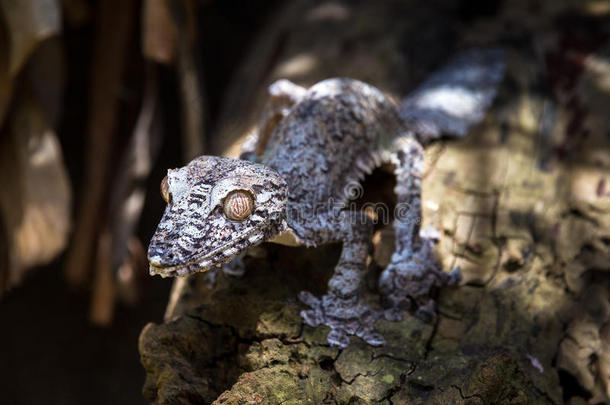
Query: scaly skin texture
194, 234
313, 147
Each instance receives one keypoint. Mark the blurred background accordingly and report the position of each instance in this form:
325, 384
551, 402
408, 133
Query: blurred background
99, 98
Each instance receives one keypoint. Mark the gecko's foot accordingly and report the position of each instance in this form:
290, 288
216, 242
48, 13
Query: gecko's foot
345, 316
411, 285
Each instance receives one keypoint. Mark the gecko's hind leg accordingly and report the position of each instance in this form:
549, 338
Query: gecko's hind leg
412, 277
342, 307
283, 94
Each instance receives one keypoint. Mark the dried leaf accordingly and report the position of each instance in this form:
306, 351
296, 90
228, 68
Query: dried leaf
29, 22
36, 198
158, 32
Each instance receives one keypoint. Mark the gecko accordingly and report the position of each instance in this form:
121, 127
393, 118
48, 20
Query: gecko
293, 181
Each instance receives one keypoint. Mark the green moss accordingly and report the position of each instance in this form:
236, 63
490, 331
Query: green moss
388, 378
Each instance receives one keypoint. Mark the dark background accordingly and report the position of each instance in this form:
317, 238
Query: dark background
49, 351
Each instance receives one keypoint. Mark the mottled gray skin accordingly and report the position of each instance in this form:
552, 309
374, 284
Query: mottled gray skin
313, 147
194, 234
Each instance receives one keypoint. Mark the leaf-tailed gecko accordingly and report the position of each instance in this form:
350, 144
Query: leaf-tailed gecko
291, 187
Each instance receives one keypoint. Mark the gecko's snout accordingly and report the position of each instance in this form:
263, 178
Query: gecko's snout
156, 260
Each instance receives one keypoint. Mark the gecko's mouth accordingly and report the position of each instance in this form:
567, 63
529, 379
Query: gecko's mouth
222, 254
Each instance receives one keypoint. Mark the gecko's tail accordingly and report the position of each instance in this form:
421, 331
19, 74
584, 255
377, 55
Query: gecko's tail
455, 97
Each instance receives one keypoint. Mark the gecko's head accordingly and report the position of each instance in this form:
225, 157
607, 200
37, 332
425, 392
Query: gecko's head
216, 208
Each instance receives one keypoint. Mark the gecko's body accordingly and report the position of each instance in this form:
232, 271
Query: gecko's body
313, 146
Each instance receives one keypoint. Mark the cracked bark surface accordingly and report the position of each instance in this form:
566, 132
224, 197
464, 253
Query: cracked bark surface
523, 205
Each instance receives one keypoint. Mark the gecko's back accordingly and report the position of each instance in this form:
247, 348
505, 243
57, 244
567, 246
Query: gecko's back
331, 139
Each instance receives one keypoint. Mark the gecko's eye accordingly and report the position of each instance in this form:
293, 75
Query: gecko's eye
165, 190
239, 205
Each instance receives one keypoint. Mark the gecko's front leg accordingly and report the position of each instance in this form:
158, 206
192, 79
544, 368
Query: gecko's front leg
342, 307
413, 275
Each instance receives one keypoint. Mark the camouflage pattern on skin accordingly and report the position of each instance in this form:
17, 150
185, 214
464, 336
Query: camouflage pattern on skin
314, 145
194, 233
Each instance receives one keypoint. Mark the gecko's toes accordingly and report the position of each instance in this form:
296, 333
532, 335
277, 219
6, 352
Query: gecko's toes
309, 299
311, 317
338, 338
374, 339
314, 316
